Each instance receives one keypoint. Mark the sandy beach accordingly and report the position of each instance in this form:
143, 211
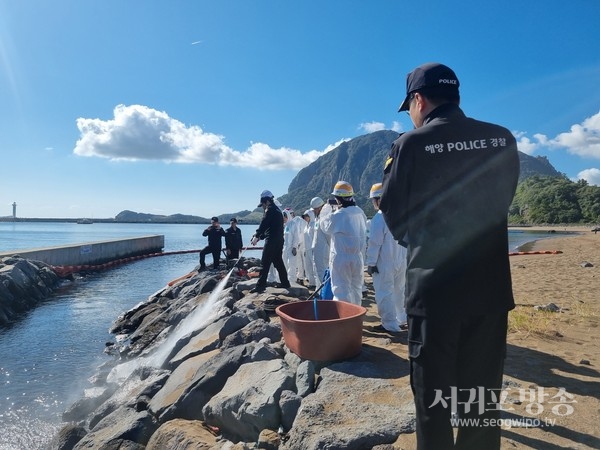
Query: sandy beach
552, 371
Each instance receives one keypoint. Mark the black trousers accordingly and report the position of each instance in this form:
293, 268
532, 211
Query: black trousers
216, 254
234, 253
272, 254
456, 363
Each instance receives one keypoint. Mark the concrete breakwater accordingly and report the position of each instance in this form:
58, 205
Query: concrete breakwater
92, 253
202, 364
30, 276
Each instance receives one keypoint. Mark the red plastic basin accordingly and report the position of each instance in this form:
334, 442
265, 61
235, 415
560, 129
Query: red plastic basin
335, 336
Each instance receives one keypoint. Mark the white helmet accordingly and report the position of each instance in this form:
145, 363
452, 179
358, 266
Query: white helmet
316, 202
265, 195
343, 189
376, 190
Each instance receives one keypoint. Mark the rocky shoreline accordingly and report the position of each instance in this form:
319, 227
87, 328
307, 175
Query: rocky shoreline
23, 284
201, 364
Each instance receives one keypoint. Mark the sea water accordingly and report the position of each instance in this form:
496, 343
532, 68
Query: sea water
48, 354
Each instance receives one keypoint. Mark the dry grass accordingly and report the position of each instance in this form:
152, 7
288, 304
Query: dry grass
526, 321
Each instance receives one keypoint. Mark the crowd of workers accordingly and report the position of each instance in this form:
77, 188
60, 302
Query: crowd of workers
327, 244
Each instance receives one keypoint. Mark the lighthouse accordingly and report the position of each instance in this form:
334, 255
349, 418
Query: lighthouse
14, 210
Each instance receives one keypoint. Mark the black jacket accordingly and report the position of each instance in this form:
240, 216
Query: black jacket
446, 192
214, 237
271, 226
233, 239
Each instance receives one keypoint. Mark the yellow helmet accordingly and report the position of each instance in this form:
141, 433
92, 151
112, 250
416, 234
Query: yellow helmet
376, 190
343, 189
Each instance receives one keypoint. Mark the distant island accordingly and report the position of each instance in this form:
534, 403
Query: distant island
127, 216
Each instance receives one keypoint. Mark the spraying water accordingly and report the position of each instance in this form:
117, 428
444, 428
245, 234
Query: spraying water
201, 316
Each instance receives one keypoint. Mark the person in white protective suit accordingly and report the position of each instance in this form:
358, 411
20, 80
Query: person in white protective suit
347, 227
321, 241
309, 233
386, 263
292, 245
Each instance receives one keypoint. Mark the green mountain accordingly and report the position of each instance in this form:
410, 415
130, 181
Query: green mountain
360, 161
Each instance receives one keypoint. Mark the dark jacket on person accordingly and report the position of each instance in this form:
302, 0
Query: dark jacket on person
446, 192
214, 237
233, 239
271, 226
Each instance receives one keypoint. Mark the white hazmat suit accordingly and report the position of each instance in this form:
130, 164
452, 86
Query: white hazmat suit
309, 234
320, 246
348, 230
390, 259
292, 244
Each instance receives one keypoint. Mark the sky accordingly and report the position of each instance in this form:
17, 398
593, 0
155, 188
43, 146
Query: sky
196, 107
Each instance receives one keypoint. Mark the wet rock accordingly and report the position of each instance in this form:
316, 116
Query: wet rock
123, 428
196, 381
586, 264
67, 437
234, 322
83, 407
23, 284
139, 383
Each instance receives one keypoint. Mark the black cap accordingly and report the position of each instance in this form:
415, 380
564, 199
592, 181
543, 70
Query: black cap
233, 219
214, 219
436, 78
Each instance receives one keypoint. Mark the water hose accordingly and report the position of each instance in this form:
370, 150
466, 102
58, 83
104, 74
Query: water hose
313, 296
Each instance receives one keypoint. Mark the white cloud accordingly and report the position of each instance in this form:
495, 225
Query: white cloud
371, 127
138, 132
525, 144
592, 176
582, 139
397, 127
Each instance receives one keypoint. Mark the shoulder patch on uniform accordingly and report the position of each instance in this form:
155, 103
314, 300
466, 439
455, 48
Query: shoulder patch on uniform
388, 162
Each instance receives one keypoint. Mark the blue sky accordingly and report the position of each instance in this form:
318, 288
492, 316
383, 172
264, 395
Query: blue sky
195, 107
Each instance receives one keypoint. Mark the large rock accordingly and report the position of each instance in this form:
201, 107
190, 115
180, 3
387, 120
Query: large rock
67, 437
180, 434
205, 341
194, 383
123, 428
23, 284
144, 381
355, 406
249, 401
253, 332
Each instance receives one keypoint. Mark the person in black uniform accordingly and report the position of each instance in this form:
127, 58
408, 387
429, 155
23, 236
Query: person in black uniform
214, 233
447, 188
271, 230
233, 240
